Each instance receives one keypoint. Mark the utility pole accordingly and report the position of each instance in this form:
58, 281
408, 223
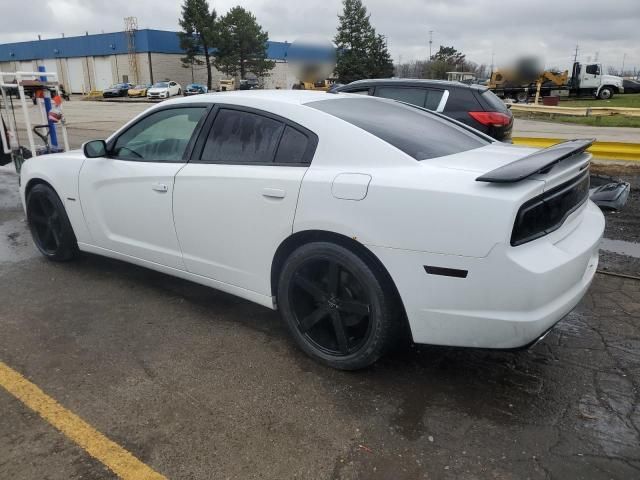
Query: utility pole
575, 56
430, 42
624, 57
493, 57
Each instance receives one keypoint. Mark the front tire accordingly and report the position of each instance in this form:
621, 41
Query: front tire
522, 97
605, 93
50, 227
338, 309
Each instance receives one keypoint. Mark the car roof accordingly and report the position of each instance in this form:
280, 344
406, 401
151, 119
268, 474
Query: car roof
414, 82
297, 97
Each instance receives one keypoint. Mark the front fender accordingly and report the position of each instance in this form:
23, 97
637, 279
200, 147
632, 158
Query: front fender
60, 171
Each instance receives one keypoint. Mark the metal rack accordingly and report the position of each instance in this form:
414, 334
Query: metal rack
31, 82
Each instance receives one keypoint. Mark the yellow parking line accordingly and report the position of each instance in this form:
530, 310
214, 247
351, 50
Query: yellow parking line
121, 462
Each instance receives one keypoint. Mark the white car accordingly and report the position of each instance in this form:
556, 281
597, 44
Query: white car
164, 90
352, 215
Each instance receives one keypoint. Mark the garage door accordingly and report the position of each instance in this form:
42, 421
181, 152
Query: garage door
49, 64
25, 66
75, 69
104, 77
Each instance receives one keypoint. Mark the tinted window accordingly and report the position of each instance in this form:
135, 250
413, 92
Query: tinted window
160, 137
494, 103
414, 96
242, 137
292, 146
359, 92
461, 100
421, 97
416, 132
433, 99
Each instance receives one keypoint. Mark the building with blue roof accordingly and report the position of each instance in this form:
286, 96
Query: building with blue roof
94, 62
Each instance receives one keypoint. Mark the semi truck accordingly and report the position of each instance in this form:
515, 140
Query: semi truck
586, 80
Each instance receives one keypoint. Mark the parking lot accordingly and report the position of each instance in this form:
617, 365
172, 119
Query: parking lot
198, 384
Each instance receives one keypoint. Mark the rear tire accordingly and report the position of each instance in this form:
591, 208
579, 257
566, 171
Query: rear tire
522, 97
50, 227
338, 309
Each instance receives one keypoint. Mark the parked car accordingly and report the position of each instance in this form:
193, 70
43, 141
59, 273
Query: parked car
117, 90
249, 84
164, 89
139, 90
473, 105
352, 215
195, 89
631, 86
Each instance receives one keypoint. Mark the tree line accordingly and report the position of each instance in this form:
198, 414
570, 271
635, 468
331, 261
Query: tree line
236, 44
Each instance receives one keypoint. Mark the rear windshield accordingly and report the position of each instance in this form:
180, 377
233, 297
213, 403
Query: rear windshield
416, 132
494, 102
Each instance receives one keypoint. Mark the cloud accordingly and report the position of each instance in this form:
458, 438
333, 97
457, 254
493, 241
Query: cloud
479, 28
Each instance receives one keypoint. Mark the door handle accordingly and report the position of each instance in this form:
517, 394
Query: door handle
159, 187
273, 193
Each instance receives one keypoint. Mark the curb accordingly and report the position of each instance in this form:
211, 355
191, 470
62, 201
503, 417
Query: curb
629, 152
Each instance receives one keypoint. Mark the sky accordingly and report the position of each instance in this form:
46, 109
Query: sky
550, 29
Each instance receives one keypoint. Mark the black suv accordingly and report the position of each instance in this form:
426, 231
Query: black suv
473, 105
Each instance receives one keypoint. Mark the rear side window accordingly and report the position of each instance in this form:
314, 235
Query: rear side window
421, 97
242, 137
462, 100
416, 132
414, 96
494, 103
292, 147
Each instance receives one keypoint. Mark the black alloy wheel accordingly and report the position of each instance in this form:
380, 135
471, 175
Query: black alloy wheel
335, 306
49, 224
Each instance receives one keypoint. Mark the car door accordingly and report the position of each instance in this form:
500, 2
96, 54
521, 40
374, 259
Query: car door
235, 203
173, 88
126, 197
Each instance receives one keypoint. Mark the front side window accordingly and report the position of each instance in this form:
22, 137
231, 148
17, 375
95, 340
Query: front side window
416, 132
162, 136
242, 137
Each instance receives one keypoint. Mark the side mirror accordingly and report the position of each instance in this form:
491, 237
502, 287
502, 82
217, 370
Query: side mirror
95, 149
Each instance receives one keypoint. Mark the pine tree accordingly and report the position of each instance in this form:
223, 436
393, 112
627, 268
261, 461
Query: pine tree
353, 42
362, 53
381, 63
198, 34
242, 45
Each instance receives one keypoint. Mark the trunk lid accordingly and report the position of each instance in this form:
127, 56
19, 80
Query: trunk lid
491, 157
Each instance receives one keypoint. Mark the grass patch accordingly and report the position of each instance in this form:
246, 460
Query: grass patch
629, 100
609, 121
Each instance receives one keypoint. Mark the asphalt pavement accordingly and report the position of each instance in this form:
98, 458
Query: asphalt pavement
198, 384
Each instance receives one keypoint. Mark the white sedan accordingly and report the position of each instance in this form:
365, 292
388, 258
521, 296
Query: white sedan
165, 89
354, 216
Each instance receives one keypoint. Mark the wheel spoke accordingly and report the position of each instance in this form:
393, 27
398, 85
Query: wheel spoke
55, 235
357, 308
334, 278
341, 333
310, 320
46, 236
310, 287
44, 205
36, 218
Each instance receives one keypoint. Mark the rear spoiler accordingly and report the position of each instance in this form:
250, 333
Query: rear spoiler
536, 162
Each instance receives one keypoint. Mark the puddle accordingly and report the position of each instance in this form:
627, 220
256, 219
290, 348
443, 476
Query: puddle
621, 247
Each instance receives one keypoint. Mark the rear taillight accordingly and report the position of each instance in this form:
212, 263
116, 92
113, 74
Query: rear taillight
491, 119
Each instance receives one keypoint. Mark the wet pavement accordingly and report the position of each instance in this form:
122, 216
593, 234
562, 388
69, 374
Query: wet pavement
199, 384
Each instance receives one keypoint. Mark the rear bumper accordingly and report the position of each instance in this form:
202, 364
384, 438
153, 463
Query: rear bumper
510, 297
